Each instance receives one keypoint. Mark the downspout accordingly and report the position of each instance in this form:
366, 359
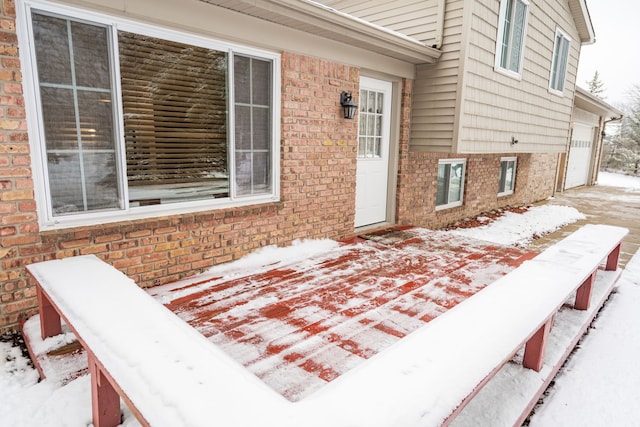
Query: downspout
602, 130
439, 34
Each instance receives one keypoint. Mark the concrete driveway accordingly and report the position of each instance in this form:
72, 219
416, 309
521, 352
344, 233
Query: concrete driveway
601, 205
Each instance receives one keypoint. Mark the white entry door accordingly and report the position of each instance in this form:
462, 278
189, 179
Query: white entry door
579, 163
372, 179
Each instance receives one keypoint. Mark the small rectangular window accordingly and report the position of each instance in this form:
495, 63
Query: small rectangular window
450, 183
507, 176
559, 62
511, 36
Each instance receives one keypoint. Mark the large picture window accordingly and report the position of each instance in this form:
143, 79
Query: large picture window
511, 36
133, 122
450, 183
559, 62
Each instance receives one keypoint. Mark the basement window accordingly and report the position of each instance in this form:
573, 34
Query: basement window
507, 176
450, 183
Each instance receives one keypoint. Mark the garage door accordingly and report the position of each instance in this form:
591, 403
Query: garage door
579, 162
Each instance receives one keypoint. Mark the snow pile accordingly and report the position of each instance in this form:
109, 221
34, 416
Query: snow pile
599, 384
26, 402
607, 179
521, 229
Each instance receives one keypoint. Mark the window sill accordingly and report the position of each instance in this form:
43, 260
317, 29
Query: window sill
149, 213
508, 73
448, 206
556, 92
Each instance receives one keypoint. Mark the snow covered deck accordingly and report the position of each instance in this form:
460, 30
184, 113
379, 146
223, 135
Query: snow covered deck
301, 316
304, 317
302, 321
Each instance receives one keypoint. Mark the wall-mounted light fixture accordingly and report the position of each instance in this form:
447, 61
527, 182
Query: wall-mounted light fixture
514, 141
349, 107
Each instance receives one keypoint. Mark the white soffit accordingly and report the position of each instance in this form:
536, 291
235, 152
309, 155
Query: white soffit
583, 22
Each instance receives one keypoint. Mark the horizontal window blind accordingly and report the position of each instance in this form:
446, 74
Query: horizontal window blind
175, 111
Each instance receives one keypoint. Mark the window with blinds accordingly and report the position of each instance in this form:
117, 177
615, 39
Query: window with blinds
158, 119
559, 62
174, 102
511, 35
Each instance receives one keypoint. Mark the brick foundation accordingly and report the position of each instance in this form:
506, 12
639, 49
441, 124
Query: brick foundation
535, 180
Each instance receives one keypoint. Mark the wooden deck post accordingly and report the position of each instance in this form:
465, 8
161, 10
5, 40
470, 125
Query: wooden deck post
534, 349
105, 402
583, 294
612, 259
50, 323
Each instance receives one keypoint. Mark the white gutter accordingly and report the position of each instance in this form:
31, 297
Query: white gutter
439, 35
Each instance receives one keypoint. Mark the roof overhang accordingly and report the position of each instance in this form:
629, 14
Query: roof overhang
586, 101
583, 22
317, 19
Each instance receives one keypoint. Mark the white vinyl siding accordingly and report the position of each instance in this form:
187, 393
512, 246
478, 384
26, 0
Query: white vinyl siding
497, 107
414, 18
450, 188
559, 64
511, 36
136, 121
435, 92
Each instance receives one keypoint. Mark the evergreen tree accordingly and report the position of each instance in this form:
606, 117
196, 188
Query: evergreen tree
624, 147
595, 85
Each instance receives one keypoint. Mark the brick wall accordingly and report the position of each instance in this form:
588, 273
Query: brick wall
418, 182
541, 179
318, 161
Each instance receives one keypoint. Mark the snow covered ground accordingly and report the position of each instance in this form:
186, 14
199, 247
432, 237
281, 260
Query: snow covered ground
599, 385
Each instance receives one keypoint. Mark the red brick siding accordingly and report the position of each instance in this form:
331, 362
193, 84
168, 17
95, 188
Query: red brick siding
418, 178
318, 161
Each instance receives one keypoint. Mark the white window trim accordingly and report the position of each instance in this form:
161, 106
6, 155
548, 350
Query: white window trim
553, 62
36, 131
515, 172
464, 176
498, 53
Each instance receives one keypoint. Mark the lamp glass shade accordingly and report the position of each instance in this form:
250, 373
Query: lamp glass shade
349, 107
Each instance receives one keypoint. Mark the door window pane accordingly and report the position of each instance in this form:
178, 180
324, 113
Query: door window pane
370, 124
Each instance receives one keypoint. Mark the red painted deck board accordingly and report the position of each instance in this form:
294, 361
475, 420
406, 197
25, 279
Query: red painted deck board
299, 326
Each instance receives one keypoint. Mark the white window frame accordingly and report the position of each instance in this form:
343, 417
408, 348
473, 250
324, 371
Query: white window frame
508, 191
36, 129
500, 36
559, 63
455, 203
